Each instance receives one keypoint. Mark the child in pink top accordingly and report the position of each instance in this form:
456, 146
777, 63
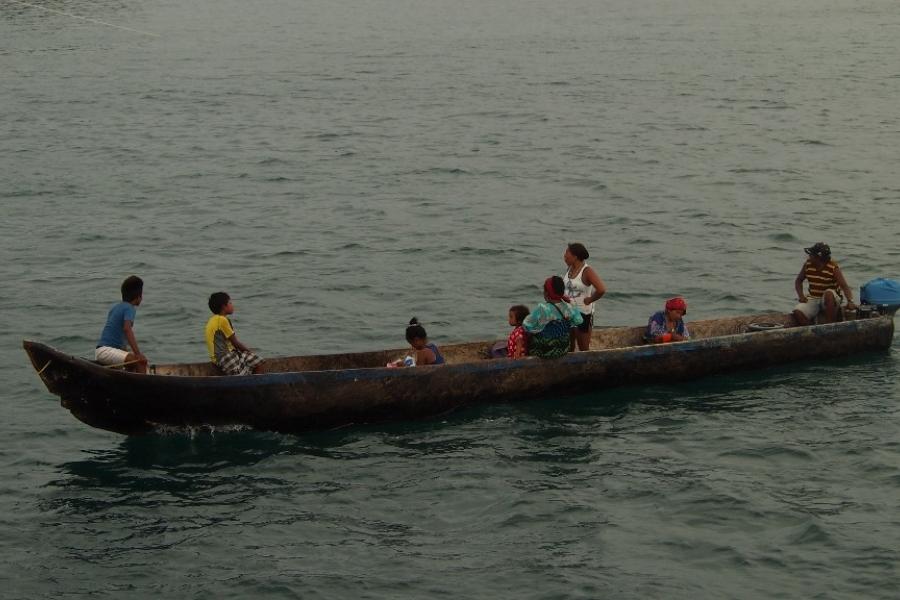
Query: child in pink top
517, 343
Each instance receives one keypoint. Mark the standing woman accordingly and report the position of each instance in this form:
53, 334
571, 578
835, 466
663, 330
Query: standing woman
584, 287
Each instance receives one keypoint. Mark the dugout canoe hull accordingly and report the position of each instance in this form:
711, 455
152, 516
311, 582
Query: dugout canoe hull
323, 392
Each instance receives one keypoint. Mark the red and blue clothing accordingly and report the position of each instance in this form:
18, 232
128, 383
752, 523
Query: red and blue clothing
656, 326
517, 334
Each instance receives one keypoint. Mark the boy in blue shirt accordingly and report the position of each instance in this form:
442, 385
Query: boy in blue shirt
119, 330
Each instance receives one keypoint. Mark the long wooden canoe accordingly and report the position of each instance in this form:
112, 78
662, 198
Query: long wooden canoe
304, 393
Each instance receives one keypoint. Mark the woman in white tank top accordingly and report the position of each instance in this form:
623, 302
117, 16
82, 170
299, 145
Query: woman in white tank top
584, 287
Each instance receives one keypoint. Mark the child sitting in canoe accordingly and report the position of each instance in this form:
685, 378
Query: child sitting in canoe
118, 331
225, 350
517, 342
424, 353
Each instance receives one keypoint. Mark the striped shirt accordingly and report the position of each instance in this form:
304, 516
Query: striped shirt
819, 281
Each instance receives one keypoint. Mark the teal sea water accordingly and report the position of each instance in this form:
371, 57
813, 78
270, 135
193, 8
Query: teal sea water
341, 167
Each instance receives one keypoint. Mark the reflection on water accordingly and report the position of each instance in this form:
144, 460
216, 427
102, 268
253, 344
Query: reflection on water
183, 454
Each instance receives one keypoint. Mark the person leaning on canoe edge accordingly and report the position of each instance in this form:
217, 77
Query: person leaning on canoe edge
826, 283
225, 350
668, 325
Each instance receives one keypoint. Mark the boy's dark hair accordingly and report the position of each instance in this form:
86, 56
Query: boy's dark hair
132, 288
217, 301
578, 251
415, 331
520, 311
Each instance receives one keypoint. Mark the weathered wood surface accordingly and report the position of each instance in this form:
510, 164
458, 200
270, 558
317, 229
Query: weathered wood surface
320, 392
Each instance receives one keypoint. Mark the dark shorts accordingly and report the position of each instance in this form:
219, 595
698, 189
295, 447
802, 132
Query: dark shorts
587, 323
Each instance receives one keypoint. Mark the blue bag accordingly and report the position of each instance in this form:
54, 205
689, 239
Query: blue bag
880, 292
553, 340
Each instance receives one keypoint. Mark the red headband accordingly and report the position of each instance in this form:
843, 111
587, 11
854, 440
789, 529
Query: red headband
552, 296
676, 303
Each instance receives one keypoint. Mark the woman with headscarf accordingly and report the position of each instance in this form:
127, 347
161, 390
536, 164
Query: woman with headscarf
668, 325
549, 323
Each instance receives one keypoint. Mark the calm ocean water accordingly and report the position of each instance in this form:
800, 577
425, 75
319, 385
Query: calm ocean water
340, 167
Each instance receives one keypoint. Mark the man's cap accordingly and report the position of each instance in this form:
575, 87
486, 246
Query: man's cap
819, 250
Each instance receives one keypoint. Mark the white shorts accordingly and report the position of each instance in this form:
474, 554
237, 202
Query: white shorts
107, 355
813, 306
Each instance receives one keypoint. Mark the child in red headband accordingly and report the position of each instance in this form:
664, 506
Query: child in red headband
668, 325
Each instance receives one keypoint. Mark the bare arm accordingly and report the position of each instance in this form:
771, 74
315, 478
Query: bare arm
519, 350
848, 293
132, 341
798, 285
600, 288
237, 343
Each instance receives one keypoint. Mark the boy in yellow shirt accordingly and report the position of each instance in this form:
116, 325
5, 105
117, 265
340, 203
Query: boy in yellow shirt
225, 350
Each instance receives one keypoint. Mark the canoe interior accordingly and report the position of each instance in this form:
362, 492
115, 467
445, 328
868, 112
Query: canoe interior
602, 339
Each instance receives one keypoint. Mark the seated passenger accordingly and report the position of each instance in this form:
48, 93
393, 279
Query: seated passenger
119, 330
517, 342
424, 353
225, 350
550, 322
668, 325
826, 282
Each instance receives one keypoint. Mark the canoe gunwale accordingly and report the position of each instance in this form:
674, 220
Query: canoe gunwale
486, 364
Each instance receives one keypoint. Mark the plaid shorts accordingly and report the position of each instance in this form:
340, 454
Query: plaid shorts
239, 362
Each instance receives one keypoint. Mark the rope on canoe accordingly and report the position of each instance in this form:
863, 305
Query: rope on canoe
124, 364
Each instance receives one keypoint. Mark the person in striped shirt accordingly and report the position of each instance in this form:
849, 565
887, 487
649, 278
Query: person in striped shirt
826, 285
